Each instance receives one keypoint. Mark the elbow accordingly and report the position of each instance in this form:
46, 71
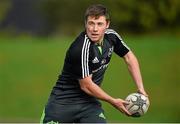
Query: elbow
84, 85
130, 59
84, 88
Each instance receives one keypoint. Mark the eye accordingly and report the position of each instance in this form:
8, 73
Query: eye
90, 23
100, 24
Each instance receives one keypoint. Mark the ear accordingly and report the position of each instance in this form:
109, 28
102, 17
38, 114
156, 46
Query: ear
108, 23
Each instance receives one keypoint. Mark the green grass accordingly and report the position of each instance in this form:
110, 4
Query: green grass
29, 68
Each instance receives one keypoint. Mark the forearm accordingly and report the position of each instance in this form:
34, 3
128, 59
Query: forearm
93, 89
88, 86
134, 69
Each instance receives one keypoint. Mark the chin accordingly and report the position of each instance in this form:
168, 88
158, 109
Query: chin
94, 39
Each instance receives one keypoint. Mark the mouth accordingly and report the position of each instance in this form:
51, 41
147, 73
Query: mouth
95, 35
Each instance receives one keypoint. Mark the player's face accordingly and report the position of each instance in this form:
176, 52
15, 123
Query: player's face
96, 27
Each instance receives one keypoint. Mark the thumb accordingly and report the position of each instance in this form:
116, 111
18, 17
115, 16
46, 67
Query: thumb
126, 102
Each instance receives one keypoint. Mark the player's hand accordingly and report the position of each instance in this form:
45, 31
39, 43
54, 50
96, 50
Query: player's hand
120, 105
142, 91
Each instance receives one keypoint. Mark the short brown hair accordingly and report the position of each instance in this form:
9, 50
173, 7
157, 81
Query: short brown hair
96, 11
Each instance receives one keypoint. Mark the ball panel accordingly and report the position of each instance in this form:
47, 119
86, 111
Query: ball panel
136, 114
139, 104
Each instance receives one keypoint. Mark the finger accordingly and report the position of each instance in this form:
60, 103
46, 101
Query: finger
146, 94
125, 111
143, 92
126, 102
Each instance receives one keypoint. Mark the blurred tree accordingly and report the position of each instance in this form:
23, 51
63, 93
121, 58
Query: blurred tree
67, 16
147, 16
168, 10
4, 6
24, 16
122, 13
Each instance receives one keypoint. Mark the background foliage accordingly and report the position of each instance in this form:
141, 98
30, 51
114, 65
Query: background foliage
67, 16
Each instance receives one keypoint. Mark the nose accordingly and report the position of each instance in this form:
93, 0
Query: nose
95, 28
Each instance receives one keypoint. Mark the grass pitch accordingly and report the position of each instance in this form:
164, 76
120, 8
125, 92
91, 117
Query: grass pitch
29, 68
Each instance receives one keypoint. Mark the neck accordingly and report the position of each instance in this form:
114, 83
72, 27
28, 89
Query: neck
100, 42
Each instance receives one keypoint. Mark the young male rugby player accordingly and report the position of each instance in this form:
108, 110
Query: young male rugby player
75, 97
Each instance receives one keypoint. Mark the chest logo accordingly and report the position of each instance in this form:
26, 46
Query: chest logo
103, 61
110, 51
95, 60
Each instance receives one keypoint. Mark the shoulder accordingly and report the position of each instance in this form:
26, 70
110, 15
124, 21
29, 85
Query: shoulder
115, 37
112, 33
80, 41
80, 45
